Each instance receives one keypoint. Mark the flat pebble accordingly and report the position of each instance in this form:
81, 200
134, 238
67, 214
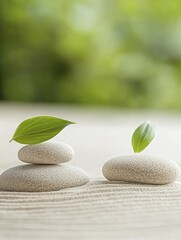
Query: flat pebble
139, 168
50, 152
42, 178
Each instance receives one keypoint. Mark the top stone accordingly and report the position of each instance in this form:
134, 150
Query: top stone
50, 152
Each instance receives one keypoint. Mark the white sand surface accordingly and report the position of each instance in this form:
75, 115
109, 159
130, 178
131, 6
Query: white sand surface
99, 210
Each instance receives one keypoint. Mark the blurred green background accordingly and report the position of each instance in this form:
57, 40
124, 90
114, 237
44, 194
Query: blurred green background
94, 52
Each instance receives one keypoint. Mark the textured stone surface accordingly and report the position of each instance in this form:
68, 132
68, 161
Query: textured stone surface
141, 169
42, 178
50, 152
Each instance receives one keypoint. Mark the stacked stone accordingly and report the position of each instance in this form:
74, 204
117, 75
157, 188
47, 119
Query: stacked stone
46, 169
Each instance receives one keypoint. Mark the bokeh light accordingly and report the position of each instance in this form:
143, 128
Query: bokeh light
112, 53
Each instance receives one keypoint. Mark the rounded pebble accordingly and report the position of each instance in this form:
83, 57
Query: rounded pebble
46, 153
137, 168
42, 178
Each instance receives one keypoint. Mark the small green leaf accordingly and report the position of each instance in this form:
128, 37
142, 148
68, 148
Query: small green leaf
142, 137
39, 129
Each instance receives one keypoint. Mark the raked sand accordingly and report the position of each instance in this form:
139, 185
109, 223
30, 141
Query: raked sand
98, 210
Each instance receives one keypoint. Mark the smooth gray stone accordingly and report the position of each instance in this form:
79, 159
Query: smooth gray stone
42, 178
141, 169
51, 152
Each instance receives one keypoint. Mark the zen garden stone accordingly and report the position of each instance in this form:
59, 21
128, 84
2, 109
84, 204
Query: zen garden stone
141, 169
50, 152
42, 178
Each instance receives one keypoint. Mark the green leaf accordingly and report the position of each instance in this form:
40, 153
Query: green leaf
142, 137
39, 129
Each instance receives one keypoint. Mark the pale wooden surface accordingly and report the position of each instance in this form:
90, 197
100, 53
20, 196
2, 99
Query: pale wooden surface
99, 210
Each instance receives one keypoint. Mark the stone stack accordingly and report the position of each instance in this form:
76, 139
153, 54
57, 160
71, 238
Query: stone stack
46, 169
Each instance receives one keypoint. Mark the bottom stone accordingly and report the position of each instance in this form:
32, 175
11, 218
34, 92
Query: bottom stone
42, 178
